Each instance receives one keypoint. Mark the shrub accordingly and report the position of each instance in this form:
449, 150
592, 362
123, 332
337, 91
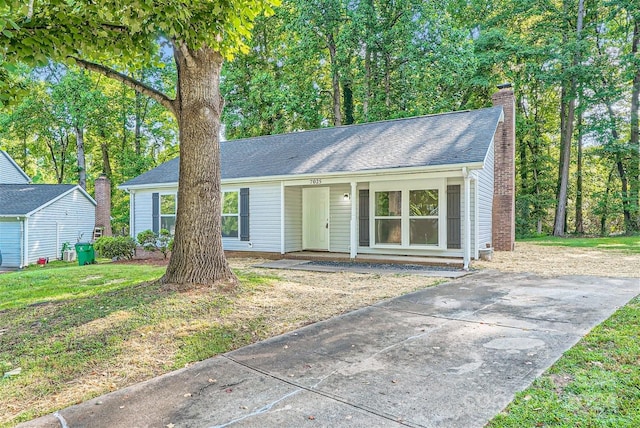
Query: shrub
118, 247
151, 241
147, 240
164, 242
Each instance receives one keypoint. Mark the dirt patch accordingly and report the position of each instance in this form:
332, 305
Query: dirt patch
560, 382
555, 261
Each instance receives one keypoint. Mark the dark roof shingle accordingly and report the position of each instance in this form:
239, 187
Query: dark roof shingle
21, 199
442, 139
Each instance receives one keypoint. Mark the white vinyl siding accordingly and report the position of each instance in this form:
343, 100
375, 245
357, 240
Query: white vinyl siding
143, 217
473, 216
11, 242
9, 172
264, 220
339, 218
293, 219
69, 219
485, 200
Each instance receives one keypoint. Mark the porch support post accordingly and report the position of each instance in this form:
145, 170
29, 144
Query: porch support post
354, 221
282, 217
467, 218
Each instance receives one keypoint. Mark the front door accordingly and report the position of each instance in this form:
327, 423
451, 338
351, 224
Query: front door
315, 218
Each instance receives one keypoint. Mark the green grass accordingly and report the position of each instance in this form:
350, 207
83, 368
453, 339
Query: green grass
61, 281
63, 324
595, 384
627, 244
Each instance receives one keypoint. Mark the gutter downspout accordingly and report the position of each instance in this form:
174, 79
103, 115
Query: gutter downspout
25, 237
467, 218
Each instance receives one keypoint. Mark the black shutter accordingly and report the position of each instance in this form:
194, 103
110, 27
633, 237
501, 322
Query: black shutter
364, 218
155, 212
244, 214
453, 217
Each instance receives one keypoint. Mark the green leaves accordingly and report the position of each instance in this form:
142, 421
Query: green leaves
58, 29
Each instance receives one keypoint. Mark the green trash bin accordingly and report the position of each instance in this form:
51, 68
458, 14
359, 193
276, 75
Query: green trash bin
85, 253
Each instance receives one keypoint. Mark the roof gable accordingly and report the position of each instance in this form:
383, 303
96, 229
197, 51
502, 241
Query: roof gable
5, 160
24, 199
435, 140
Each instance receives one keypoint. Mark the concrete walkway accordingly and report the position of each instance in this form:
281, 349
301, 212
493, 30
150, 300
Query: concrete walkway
447, 356
399, 269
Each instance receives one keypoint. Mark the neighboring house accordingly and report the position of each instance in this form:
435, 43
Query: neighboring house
422, 186
10, 172
36, 219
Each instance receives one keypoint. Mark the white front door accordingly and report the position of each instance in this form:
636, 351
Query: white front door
315, 218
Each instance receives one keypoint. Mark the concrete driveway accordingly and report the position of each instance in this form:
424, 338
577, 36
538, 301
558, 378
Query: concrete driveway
447, 356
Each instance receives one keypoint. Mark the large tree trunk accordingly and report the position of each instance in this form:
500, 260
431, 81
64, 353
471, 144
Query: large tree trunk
567, 133
198, 257
568, 113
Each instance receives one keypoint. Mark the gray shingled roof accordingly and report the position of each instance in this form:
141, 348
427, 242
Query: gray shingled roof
21, 199
443, 139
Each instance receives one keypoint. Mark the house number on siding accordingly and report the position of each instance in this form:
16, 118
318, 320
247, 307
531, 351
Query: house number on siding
315, 181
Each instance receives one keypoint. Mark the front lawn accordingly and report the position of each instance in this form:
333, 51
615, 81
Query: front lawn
595, 384
627, 244
63, 281
70, 333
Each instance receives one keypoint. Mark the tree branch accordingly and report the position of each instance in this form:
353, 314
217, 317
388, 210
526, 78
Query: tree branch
180, 48
187, 55
134, 84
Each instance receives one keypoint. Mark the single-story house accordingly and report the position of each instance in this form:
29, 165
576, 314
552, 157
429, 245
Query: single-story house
37, 219
437, 185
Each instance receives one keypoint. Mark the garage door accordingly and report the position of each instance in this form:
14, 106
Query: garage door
10, 243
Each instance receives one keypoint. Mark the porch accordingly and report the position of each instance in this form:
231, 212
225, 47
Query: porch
452, 262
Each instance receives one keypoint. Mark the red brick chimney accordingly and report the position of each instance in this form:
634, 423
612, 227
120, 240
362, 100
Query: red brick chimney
504, 186
103, 199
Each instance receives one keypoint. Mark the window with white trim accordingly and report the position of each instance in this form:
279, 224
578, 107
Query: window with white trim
230, 214
423, 217
409, 214
168, 206
388, 217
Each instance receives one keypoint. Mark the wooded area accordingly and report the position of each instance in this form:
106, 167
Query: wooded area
574, 65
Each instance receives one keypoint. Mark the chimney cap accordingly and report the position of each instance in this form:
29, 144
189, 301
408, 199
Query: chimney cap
505, 85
